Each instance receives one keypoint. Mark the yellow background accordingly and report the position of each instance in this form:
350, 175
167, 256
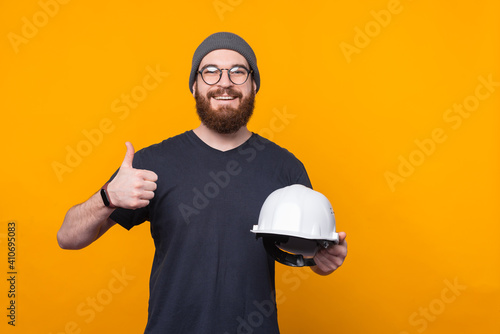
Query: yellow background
355, 116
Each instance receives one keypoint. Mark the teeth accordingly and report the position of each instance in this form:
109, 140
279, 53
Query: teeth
224, 98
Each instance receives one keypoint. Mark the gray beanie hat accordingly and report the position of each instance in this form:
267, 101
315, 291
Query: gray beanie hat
224, 40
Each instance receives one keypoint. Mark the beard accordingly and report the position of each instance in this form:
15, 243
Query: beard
225, 120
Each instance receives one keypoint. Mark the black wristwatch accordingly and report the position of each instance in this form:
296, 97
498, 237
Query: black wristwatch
105, 196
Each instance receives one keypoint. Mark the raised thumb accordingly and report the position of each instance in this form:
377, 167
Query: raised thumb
129, 156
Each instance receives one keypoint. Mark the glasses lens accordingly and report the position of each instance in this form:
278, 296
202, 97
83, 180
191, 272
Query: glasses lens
210, 74
238, 75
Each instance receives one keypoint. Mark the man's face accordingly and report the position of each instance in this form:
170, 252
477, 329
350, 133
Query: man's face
224, 107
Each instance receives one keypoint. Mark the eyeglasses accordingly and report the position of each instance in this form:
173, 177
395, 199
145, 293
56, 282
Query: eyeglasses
211, 74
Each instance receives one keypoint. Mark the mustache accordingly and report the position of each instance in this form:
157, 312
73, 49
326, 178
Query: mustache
227, 91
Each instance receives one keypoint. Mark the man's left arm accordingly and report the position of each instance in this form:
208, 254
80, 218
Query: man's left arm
329, 259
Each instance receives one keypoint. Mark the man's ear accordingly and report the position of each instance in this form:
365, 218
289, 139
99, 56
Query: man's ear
254, 86
194, 88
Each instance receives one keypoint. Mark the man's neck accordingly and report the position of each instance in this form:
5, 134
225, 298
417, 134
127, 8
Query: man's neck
222, 142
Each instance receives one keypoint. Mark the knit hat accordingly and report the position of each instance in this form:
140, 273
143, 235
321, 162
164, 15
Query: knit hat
224, 40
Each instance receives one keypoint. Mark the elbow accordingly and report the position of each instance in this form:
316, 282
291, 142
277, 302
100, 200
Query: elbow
65, 242
66, 236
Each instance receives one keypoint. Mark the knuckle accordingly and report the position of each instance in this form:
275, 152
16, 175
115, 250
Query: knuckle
138, 185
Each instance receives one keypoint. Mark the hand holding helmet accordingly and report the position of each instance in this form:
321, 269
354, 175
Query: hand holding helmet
329, 259
297, 225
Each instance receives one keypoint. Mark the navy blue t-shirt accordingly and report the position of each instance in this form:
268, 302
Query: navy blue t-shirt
210, 274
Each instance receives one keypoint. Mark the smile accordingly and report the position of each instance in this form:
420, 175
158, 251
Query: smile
224, 97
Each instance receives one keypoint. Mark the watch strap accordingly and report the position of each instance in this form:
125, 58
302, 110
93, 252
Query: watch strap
105, 196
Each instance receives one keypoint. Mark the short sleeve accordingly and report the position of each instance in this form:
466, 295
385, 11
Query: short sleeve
303, 178
129, 218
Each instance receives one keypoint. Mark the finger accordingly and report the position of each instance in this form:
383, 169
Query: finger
129, 156
322, 262
328, 261
336, 259
318, 259
337, 250
147, 195
149, 186
342, 236
147, 175
141, 204
151, 176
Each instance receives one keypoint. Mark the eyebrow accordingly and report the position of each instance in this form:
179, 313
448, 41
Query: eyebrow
234, 65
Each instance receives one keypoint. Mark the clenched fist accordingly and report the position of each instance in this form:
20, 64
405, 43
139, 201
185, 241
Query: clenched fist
132, 188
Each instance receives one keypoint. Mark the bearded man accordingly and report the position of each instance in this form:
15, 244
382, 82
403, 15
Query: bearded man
202, 192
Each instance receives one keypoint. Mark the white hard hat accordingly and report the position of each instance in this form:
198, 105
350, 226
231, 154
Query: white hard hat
294, 222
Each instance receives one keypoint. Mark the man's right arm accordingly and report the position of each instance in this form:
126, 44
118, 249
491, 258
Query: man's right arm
86, 222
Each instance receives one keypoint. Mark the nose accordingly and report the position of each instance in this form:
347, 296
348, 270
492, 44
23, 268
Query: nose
224, 80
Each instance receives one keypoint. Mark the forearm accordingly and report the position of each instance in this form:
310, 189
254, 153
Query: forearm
84, 223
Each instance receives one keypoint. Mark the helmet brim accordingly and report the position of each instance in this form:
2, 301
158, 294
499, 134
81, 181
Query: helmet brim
334, 238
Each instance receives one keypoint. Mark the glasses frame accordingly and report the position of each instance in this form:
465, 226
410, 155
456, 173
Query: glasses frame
228, 74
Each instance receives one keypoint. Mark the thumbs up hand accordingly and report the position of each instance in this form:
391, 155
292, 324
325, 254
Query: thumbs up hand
132, 188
